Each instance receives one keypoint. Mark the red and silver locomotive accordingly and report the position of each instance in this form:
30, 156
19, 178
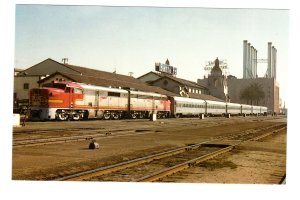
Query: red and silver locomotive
64, 100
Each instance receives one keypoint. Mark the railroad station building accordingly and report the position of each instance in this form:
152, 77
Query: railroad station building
179, 86
216, 86
50, 70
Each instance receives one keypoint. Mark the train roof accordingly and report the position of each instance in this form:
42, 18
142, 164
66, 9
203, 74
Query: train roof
68, 83
215, 102
93, 87
246, 105
190, 100
120, 90
237, 104
148, 93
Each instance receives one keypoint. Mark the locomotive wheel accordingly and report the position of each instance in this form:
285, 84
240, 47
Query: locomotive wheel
106, 116
178, 115
141, 115
76, 117
62, 116
115, 116
133, 115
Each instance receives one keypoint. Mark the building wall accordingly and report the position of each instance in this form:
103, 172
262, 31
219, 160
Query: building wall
277, 104
175, 87
235, 86
269, 86
167, 84
217, 86
19, 81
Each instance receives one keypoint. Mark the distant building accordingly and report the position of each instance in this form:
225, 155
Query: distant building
216, 82
269, 86
234, 90
179, 86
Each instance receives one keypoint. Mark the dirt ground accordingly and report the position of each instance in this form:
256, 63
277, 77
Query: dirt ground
254, 162
262, 162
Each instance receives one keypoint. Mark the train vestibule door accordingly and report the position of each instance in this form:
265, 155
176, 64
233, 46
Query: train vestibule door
70, 93
97, 96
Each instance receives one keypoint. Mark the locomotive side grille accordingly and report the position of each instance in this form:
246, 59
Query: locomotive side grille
39, 97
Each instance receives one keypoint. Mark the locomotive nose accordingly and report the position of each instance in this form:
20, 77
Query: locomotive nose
39, 97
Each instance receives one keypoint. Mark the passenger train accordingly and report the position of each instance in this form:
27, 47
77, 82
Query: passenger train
63, 100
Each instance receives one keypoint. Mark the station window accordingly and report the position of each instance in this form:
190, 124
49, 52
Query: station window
26, 86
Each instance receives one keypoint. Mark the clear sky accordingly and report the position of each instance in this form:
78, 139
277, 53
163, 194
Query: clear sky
132, 39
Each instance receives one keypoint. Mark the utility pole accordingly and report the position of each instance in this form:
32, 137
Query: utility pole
65, 60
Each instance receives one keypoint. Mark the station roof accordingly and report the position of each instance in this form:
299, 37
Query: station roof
107, 80
101, 78
179, 80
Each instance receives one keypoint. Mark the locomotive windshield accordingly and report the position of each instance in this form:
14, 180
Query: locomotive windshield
55, 85
59, 86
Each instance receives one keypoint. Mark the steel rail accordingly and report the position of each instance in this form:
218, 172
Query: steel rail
120, 166
57, 140
267, 134
124, 165
182, 166
166, 172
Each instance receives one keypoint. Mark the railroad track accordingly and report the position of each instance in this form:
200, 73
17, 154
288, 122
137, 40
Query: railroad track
40, 137
166, 163
63, 139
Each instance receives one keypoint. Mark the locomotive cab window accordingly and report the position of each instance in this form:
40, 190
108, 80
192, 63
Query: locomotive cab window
78, 91
68, 90
60, 86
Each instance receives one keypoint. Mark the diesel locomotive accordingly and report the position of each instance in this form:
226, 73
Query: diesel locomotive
63, 100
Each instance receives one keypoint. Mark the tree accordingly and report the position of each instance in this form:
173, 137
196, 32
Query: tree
252, 94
